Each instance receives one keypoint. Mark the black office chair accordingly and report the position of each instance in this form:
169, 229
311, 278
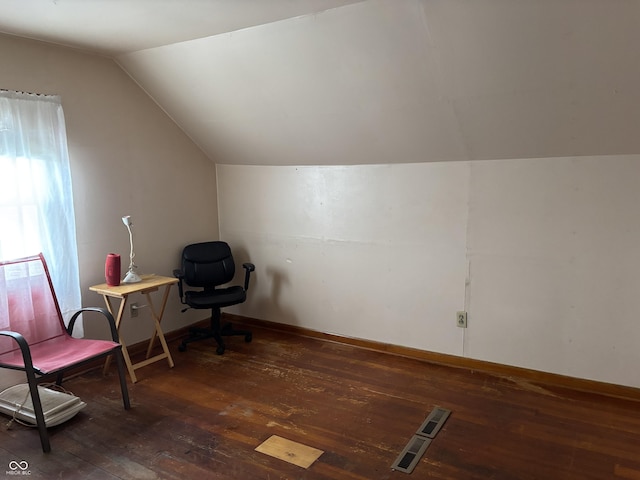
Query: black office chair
206, 266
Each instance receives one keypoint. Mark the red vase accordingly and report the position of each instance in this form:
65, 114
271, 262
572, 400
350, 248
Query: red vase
112, 269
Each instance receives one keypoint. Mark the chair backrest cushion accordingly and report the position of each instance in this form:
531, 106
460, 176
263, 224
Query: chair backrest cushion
28, 304
207, 264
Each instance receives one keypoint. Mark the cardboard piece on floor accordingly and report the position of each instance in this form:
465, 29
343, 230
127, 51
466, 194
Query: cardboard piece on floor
289, 451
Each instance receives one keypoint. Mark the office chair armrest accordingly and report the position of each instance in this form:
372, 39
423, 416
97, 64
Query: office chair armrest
179, 274
104, 312
249, 267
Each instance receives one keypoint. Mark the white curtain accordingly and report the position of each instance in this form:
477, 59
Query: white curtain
36, 202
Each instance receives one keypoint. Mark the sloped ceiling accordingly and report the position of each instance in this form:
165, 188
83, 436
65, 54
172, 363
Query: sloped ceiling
112, 27
388, 81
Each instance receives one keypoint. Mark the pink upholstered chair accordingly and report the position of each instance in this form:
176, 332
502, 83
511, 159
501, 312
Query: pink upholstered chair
34, 339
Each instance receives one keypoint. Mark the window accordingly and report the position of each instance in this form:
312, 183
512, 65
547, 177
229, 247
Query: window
36, 202
21, 179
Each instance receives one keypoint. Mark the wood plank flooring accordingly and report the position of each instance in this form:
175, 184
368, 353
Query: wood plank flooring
204, 418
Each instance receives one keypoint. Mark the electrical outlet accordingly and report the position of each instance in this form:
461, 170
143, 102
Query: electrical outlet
461, 319
133, 310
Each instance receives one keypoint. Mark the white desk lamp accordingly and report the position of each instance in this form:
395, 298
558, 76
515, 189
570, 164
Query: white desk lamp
131, 276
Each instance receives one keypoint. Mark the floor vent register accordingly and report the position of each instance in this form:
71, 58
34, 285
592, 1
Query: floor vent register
412, 453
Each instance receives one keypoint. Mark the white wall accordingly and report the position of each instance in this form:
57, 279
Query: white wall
554, 252
127, 157
543, 253
370, 252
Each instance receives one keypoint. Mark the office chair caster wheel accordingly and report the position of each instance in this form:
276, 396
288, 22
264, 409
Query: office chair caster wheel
220, 350
182, 347
248, 337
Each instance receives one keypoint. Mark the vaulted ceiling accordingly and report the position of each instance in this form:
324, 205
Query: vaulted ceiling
316, 82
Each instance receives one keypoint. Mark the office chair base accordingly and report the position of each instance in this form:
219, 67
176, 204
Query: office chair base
197, 334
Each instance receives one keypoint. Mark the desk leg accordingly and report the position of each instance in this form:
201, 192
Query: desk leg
125, 352
157, 318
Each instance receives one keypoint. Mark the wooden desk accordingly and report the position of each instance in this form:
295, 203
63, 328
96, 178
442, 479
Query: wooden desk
149, 283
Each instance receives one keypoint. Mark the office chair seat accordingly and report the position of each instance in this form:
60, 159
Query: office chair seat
223, 297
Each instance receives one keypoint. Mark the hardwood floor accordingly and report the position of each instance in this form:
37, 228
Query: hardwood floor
204, 418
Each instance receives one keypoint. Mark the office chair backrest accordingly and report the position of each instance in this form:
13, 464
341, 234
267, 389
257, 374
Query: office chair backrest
207, 264
28, 303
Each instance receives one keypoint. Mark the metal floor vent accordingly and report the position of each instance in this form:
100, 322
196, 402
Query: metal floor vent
434, 422
412, 453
